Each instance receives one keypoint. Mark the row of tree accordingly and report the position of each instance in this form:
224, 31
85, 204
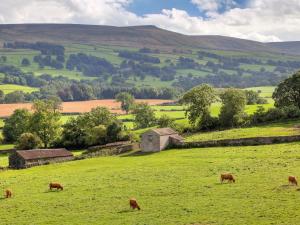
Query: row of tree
199, 100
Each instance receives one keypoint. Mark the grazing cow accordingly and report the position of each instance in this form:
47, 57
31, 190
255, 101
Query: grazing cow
133, 204
293, 180
8, 194
56, 186
228, 177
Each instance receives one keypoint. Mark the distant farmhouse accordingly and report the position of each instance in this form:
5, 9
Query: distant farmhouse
156, 140
28, 158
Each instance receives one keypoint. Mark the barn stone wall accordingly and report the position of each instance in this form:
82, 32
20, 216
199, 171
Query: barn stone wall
240, 142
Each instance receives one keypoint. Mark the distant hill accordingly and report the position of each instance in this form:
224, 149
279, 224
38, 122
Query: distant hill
135, 36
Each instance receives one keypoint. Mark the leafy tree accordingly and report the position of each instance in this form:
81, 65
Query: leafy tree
288, 92
88, 129
198, 101
114, 132
144, 115
45, 121
16, 124
127, 101
96, 135
15, 97
25, 62
232, 110
165, 121
29, 141
2, 96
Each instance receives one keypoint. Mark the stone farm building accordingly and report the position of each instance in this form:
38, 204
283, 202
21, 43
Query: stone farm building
28, 158
156, 140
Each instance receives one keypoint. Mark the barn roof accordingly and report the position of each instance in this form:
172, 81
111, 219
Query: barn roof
43, 153
164, 131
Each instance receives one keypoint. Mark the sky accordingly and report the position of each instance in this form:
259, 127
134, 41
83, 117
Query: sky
259, 20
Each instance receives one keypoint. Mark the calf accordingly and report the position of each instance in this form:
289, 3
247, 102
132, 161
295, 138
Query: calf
55, 186
8, 194
293, 180
228, 177
133, 204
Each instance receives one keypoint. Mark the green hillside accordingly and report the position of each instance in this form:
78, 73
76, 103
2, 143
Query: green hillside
172, 187
111, 58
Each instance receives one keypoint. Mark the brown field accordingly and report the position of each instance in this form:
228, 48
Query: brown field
78, 107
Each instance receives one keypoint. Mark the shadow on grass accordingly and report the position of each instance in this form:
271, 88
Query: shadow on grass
128, 211
52, 191
138, 153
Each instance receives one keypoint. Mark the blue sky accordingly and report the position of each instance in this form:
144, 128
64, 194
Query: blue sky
142, 7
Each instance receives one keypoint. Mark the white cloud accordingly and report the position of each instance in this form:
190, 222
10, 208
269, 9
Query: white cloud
214, 5
262, 20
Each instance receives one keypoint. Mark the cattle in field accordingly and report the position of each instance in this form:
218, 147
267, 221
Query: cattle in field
133, 204
227, 176
293, 180
8, 194
55, 186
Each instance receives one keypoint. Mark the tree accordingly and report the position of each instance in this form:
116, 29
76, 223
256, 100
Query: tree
144, 115
29, 141
232, 110
2, 96
16, 124
88, 129
127, 101
45, 121
198, 101
96, 135
252, 97
25, 62
14, 97
288, 92
165, 121
114, 132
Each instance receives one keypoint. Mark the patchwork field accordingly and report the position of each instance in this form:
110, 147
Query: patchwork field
172, 187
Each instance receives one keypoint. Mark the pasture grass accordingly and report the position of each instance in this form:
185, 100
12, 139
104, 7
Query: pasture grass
269, 130
172, 187
8, 88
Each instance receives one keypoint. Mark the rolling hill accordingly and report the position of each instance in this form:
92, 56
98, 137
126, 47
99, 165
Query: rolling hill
135, 36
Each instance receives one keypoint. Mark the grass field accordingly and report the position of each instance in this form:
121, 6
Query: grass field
269, 130
172, 187
8, 88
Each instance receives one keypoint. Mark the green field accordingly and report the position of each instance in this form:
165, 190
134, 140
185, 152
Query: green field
8, 88
269, 130
172, 187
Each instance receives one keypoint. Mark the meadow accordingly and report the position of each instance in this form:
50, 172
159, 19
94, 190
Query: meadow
287, 128
8, 88
172, 187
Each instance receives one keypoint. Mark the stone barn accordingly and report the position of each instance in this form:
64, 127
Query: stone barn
156, 140
28, 158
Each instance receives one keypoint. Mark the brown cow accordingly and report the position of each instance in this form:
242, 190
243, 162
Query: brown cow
8, 193
133, 204
227, 176
293, 180
56, 186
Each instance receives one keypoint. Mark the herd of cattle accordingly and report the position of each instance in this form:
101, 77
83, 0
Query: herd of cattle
133, 202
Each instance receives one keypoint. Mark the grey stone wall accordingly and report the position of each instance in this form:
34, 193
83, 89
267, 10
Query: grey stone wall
239, 142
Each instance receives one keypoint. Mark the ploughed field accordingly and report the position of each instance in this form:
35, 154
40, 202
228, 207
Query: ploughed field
172, 187
78, 107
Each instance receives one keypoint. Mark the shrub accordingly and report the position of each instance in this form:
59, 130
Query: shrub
29, 141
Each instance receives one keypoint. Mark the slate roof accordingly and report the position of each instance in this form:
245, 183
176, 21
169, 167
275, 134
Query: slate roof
164, 131
43, 153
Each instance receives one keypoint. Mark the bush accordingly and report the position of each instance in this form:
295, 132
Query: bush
29, 141
165, 121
